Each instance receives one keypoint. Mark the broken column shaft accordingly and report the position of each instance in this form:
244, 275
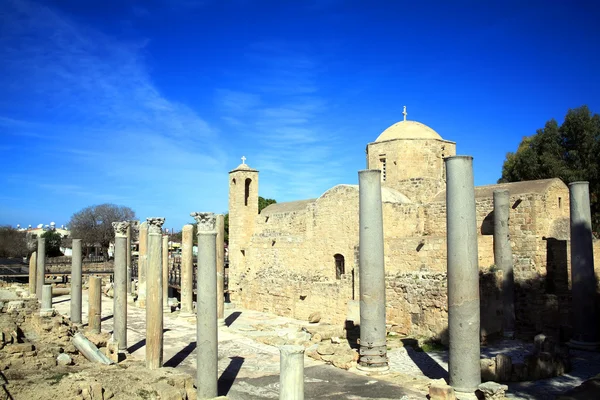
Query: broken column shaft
206, 307
154, 295
585, 312
95, 304
503, 260
220, 269
76, 282
142, 261
128, 258
291, 372
463, 275
373, 351
41, 267
120, 285
46, 309
33, 273
187, 270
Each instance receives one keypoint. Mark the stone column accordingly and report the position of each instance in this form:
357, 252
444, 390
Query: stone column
33, 273
463, 275
373, 351
154, 301
504, 260
206, 308
142, 262
95, 304
165, 273
120, 285
46, 310
220, 269
76, 282
291, 372
583, 280
187, 271
128, 258
41, 267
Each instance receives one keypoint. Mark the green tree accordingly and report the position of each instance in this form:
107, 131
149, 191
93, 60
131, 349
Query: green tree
93, 225
263, 203
53, 243
569, 152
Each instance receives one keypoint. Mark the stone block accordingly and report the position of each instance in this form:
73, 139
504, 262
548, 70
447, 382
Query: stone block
491, 391
326, 349
441, 391
503, 367
64, 359
168, 392
488, 369
314, 317
18, 348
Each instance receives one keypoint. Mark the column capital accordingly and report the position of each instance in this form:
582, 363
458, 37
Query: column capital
120, 228
207, 221
155, 225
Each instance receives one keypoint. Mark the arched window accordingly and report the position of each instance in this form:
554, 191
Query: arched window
339, 266
247, 191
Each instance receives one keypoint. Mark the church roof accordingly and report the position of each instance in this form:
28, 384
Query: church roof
289, 206
408, 130
243, 167
514, 188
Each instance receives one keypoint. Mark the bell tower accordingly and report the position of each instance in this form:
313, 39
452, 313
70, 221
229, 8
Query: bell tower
243, 209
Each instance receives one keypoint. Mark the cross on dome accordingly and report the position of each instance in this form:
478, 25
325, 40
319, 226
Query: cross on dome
243, 159
404, 113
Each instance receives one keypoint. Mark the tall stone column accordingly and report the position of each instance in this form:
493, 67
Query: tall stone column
463, 275
142, 262
95, 304
120, 285
373, 350
220, 269
33, 273
154, 300
206, 321
76, 282
128, 258
187, 271
41, 267
583, 279
291, 372
165, 272
504, 260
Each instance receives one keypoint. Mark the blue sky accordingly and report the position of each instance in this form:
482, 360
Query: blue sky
150, 104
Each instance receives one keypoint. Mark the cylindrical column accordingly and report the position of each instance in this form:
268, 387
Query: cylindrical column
128, 258
41, 267
154, 299
142, 262
503, 259
165, 273
206, 321
187, 270
120, 285
220, 269
46, 310
583, 279
33, 273
95, 304
373, 351
291, 372
463, 275
76, 282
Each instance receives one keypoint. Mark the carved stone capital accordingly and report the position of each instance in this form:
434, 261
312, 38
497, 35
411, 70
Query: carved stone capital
207, 221
155, 224
120, 228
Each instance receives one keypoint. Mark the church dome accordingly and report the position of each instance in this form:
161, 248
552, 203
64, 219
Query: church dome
408, 130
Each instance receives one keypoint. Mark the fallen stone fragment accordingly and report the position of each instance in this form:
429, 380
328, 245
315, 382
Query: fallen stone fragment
64, 359
492, 390
441, 391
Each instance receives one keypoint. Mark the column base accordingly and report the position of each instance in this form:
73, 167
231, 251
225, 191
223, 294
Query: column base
586, 346
187, 315
373, 370
221, 322
47, 312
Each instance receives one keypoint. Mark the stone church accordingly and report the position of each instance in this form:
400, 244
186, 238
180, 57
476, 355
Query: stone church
298, 257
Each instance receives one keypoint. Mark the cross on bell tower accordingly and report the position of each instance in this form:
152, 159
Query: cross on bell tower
243, 159
404, 113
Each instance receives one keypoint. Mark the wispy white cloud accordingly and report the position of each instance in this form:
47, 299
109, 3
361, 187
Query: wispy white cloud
284, 117
93, 96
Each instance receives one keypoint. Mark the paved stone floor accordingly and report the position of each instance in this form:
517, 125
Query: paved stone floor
250, 370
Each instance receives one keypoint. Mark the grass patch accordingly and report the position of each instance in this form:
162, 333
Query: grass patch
55, 379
